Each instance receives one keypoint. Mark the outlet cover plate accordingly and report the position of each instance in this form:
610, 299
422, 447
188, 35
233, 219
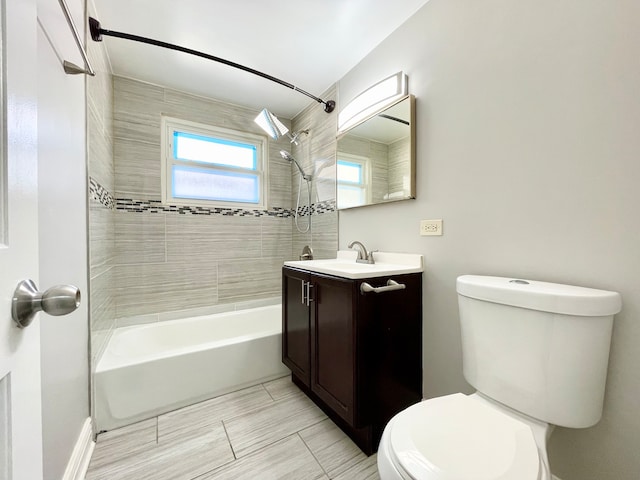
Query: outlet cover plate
431, 227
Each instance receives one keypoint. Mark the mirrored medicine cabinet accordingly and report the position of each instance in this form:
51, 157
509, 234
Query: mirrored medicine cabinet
376, 157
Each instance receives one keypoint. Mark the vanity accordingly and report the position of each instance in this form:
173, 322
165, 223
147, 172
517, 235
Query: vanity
352, 337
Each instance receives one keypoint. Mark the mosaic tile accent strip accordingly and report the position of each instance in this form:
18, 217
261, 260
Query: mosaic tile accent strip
100, 194
318, 208
156, 206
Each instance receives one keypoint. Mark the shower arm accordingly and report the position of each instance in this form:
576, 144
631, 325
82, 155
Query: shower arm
97, 32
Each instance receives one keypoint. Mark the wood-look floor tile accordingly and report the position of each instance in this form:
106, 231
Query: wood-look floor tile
183, 458
124, 442
212, 411
332, 448
281, 387
274, 422
365, 470
288, 459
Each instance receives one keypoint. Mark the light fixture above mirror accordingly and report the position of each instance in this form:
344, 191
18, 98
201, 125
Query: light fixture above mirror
373, 100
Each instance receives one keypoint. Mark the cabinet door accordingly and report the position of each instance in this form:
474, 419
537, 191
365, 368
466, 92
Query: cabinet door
333, 344
295, 323
394, 346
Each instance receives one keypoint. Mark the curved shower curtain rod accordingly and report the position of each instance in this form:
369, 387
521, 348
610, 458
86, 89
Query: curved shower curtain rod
97, 32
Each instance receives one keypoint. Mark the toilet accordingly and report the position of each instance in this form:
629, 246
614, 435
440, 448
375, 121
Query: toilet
537, 355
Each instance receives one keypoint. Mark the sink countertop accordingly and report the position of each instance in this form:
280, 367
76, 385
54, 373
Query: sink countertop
345, 265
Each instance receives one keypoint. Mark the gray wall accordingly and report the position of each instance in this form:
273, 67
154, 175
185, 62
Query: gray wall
62, 237
527, 147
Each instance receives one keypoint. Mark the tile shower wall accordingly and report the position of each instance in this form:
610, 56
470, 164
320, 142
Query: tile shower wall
171, 258
101, 200
317, 155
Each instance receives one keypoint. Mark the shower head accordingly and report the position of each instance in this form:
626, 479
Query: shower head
275, 128
270, 124
287, 156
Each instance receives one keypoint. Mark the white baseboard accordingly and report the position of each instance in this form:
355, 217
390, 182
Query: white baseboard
81, 455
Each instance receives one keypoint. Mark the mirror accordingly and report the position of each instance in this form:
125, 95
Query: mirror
376, 158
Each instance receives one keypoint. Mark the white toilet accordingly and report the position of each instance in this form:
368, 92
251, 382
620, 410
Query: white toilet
537, 353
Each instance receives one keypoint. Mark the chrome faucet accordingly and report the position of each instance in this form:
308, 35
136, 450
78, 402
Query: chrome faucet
363, 255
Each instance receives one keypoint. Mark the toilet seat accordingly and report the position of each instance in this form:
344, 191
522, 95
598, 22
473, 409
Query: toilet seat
459, 437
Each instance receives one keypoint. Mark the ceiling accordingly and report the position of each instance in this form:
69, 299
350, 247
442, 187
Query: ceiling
308, 43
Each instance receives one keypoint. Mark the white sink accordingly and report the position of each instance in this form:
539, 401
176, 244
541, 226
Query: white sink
345, 265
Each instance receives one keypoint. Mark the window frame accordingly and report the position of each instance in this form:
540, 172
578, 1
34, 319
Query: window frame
169, 125
365, 185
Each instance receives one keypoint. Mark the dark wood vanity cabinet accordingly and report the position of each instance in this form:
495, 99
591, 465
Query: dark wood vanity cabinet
357, 355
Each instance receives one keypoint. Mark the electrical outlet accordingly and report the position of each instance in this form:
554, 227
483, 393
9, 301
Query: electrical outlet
431, 227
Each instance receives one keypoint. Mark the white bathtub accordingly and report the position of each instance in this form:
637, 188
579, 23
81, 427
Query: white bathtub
154, 368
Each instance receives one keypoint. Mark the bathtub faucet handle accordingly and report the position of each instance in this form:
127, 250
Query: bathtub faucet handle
307, 253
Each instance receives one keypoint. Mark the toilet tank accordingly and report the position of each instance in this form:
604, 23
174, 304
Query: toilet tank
539, 348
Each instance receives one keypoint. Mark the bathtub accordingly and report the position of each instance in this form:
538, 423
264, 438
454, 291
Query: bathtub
150, 369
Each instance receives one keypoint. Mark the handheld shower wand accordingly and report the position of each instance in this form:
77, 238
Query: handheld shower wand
308, 178
287, 156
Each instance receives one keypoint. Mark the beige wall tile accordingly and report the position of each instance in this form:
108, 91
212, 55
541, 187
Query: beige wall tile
100, 149
137, 169
101, 237
191, 237
276, 237
243, 279
102, 311
101, 219
152, 288
140, 238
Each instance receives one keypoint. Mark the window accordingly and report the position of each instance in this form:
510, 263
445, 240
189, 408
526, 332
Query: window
206, 165
353, 180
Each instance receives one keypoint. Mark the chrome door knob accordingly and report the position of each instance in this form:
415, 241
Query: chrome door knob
27, 301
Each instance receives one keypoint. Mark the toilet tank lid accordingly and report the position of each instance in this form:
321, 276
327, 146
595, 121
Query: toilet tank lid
543, 296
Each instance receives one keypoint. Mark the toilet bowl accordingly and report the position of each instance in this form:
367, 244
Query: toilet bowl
537, 354
460, 437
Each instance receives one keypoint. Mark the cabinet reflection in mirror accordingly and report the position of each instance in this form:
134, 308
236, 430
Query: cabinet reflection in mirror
376, 158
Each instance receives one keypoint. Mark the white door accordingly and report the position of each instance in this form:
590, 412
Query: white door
20, 398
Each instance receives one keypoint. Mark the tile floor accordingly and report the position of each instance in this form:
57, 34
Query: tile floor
269, 431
